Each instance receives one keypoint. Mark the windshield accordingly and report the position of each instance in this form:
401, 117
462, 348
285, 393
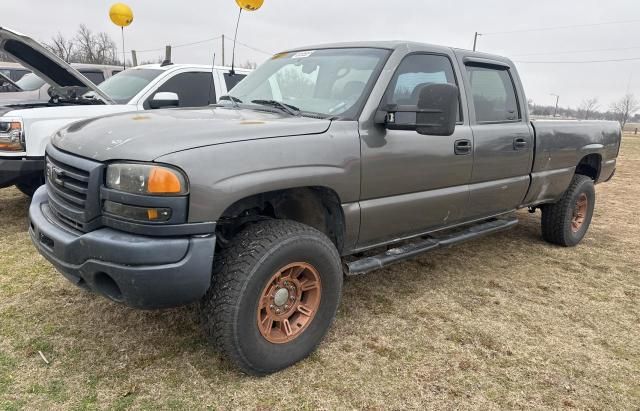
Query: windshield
125, 85
30, 82
328, 82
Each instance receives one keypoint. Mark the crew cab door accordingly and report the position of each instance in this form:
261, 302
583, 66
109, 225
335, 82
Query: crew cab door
503, 139
194, 89
413, 183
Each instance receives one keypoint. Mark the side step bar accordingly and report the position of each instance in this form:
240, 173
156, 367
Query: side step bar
411, 250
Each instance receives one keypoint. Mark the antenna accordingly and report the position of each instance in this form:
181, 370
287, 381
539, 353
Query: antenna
235, 38
213, 70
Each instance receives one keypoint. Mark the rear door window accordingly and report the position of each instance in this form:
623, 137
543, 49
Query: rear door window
494, 95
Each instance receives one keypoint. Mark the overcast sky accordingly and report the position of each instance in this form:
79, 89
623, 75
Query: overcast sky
283, 24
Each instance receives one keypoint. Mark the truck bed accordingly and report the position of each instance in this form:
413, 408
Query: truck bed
560, 145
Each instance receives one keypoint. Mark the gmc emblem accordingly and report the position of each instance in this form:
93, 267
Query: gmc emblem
54, 174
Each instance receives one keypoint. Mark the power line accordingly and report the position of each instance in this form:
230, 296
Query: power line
575, 51
269, 53
561, 27
148, 50
182, 45
579, 62
197, 42
206, 41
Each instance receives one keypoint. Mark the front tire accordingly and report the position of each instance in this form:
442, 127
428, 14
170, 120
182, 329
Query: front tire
566, 222
274, 295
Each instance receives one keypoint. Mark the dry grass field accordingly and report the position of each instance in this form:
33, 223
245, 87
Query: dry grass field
503, 322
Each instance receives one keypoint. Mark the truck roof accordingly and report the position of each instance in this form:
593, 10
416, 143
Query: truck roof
401, 44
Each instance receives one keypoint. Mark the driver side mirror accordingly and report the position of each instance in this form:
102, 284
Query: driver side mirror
435, 114
164, 100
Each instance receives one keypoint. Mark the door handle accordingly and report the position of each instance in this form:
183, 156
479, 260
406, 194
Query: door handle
462, 147
520, 143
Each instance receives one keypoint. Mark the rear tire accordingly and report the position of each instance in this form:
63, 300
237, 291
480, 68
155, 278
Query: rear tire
566, 222
28, 187
270, 266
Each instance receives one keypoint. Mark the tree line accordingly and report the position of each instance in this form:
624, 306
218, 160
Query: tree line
85, 47
624, 110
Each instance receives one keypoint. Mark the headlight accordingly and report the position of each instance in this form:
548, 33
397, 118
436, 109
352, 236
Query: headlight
146, 179
11, 135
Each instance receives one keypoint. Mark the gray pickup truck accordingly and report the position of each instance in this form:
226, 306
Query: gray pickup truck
329, 160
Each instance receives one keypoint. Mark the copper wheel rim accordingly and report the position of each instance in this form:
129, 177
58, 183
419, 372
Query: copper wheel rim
289, 302
579, 213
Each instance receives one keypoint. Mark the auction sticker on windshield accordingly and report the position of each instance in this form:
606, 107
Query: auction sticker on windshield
302, 54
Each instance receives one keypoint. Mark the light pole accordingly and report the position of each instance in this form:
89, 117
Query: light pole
555, 113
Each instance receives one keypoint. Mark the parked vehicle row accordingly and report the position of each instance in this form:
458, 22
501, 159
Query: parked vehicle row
13, 71
256, 207
32, 88
26, 127
7, 85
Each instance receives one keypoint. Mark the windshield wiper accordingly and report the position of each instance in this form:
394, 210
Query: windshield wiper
287, 108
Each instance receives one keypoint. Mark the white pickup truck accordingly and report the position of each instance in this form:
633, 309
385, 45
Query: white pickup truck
25, 129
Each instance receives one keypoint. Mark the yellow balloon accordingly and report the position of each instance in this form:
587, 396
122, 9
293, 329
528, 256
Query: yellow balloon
250, 5
121, 14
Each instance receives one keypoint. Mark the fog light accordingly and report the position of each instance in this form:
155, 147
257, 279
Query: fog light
145, 214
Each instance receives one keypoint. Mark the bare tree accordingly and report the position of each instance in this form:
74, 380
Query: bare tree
625, 108
105, 48
85, 47
588, 107
156, 60
248, 65
62, 47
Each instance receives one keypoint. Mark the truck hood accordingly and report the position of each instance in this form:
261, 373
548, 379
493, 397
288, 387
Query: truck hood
45, 64
147, 136
42, 111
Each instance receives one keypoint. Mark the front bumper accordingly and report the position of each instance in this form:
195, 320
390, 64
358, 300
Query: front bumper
14, 170
138, 271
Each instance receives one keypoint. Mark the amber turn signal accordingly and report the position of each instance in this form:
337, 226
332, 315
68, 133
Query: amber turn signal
164, 181
142, 214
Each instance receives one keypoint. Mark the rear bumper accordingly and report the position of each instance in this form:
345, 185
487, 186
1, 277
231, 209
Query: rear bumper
14, 170
138, 271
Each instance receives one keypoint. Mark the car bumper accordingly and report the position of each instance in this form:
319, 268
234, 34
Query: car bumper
138, 271
13, 170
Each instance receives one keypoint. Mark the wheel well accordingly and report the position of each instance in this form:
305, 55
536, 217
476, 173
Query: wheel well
590, 166
318, 207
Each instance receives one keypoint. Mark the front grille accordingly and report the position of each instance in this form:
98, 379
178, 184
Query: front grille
70, 184
73, 184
